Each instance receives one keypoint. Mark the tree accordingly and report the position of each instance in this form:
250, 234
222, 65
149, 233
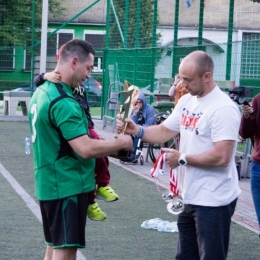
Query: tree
135, 58
255, 1
16, 20
146, 24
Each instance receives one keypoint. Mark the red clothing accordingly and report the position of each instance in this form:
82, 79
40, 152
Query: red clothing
179, 92
250, 127
102, 174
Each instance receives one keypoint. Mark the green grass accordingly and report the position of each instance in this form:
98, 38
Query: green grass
95, 111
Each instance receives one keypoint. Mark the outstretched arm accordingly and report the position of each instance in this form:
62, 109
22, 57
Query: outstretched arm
175, 81
53, 76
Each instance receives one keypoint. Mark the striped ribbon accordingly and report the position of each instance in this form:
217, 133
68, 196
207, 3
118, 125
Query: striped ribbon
158, 169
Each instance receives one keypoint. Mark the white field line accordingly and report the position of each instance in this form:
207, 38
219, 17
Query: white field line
29, 201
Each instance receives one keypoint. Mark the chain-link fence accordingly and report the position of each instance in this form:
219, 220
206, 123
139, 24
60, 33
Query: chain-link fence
142, 42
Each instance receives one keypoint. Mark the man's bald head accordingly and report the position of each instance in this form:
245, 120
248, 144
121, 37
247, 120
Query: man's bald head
201, 62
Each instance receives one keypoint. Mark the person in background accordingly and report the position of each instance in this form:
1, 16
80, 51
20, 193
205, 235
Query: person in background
143, 113
64, 152
208, 122
102, 175
250, 128
177, 91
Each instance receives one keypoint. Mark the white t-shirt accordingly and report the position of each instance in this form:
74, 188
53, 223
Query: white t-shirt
201, 122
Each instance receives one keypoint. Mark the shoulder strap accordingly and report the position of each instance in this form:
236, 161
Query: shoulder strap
65, 148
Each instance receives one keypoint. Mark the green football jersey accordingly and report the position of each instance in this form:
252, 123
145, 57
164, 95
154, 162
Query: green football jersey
54, 120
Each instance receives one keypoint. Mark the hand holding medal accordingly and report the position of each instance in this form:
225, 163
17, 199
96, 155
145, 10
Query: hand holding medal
175, 202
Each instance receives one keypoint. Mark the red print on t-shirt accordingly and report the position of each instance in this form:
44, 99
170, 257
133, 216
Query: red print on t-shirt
190, 120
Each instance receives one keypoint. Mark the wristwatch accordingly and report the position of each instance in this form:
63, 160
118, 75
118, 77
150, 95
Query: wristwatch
182, 160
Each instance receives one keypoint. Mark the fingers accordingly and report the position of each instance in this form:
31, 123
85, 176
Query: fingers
166, 150
246, 110
119, 117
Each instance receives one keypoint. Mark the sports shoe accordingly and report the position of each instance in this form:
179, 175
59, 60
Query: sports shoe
106, 193
94, 212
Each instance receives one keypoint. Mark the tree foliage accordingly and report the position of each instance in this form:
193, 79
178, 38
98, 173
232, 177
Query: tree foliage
16, 20
146, 24
255, 1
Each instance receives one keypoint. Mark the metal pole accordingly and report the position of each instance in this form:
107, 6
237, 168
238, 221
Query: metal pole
32, 46
155, 14
229, 41
175, 36
105, 81
117, 21
45, 7
137, 34
68, 21
200, 32
126, 20
137, 23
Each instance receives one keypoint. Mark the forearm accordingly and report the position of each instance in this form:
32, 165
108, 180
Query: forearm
208, 159
39, 80
157, 134
93, 148
247, 127
219, 156
172, 90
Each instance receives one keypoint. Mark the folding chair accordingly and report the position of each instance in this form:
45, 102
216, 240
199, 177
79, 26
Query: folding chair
113, 103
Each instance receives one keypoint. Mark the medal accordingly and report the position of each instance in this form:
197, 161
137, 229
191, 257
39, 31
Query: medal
176, 205
177, 176
173, 196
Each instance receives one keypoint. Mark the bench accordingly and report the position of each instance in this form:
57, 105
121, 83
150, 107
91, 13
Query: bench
14, 98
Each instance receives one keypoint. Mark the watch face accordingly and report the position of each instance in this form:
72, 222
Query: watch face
182, 162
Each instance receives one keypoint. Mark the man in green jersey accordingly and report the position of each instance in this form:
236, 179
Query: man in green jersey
64, 153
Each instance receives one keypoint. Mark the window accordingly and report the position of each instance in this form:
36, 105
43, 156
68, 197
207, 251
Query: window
27, 56
7, 58
97, 39
57, 40
250, 56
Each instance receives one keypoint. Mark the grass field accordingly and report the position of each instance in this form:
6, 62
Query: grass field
118, 237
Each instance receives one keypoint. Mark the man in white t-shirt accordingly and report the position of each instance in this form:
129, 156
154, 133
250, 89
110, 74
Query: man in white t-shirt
208, 122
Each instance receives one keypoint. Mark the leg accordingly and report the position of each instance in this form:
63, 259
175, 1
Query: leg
102, 176
49, 253
102, 171
187, 247
60, 254
64, 223
102, 164
104, 191
213, 230
65, 254
255, 188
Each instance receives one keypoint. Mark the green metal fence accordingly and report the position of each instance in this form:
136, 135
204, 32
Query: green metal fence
138, 41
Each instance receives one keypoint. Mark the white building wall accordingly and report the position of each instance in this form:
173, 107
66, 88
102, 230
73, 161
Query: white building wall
220, 37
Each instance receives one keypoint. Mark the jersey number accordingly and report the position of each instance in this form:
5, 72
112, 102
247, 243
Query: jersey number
34, 112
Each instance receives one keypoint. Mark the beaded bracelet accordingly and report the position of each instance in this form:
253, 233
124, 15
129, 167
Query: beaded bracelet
140, 133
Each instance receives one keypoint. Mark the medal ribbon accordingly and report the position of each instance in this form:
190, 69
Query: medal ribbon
158, 169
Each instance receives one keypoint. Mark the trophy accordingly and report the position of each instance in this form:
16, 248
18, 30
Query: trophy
175, 203
127, 102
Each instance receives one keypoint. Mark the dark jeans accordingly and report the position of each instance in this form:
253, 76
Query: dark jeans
204, 232
255, 188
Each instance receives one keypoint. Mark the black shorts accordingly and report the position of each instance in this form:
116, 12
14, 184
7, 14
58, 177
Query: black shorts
64, 221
